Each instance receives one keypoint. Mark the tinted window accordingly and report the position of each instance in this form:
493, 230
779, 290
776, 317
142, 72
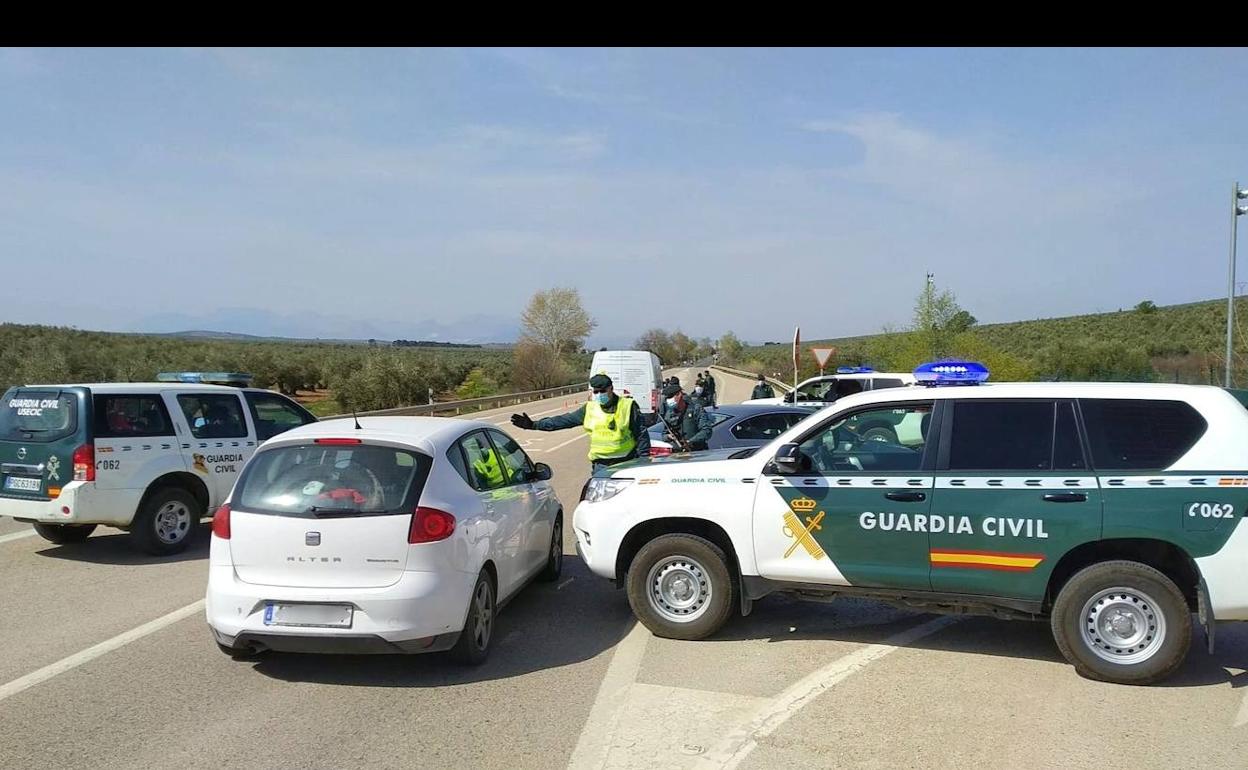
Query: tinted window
1005, 436
122, 416
312, 479
519, 469
763, 427
213, 415
1134, 434
38, 415
885, 382
274, 414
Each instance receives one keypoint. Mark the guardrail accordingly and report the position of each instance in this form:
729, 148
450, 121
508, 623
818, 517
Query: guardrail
784, 387
457, 407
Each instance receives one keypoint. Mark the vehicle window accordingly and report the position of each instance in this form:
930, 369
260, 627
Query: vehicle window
793, 418
314, 479
456, 457
1132, 434
1002, 436
213, 415
1067, 452
485, 470
886, 382
519, 467
38, 415
274, 414
717, 417
131, 416
873, 440
762, 427
817, 390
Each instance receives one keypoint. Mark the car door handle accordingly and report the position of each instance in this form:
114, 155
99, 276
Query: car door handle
906, 497
1066, 497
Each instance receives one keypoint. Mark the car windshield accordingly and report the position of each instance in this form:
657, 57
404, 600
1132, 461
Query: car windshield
332, 480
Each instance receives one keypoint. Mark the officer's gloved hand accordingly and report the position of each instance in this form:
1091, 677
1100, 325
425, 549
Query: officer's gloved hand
522, 421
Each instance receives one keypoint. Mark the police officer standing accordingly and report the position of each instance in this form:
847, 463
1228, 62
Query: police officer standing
763, 389
710, 388
614, 424
685, 418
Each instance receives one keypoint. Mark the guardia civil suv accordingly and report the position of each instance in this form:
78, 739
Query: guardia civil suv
1111, 510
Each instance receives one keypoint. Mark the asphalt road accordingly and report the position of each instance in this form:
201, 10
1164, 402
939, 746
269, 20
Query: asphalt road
106, 662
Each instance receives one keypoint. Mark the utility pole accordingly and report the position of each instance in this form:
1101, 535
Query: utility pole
1237, 194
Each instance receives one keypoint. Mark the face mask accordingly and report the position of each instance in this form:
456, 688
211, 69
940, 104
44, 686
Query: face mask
671, 402
603, 398
698, 390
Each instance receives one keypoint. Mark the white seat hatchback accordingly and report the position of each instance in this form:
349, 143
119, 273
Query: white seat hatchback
386, 535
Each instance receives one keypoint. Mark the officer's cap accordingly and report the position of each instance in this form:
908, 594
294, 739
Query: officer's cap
672, 388
600, 381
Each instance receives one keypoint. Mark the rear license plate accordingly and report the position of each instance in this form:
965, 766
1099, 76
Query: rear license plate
23, 484
308, 615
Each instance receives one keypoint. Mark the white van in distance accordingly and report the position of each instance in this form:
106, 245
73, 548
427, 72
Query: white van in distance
637, 374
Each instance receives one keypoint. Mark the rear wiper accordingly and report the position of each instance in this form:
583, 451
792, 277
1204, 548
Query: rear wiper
317, 510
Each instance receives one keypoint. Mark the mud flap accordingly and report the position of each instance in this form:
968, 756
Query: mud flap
1205, 613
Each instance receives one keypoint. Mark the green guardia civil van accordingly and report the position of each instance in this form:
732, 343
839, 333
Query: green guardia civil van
1112, 510
148, 458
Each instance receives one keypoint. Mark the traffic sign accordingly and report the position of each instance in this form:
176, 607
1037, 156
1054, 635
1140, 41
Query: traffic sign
822, 355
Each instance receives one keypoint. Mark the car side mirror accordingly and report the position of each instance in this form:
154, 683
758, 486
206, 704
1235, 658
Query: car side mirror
542, 472
791, 460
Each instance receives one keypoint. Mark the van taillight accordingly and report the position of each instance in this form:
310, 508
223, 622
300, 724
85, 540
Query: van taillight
84, 463
654, 400
430, 525
221, 522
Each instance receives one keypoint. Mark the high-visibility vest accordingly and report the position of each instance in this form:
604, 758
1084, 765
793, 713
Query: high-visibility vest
489, 469
609, 434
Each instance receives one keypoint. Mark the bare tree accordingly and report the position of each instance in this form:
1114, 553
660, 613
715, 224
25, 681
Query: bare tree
536, 367
659, 343
555, 319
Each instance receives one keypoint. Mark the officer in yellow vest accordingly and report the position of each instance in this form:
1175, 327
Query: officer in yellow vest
488, 468
614, 423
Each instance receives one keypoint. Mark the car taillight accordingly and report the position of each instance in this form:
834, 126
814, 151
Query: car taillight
84, 463
221, 522
660, 451
430, 525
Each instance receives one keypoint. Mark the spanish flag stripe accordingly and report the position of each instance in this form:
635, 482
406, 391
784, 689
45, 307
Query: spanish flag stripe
985, 560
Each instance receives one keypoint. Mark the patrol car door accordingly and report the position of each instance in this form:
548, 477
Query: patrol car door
1013, 493
221, 439
858, 514
135, 443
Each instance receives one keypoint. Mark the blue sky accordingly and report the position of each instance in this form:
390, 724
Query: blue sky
418, 193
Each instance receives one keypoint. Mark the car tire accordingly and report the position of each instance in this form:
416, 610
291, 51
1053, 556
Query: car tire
64, 533
166, 522
1122, 622
681, 587
473, 646
554, 559
879, 433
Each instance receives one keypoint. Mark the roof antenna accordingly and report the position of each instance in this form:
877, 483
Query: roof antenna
357, 420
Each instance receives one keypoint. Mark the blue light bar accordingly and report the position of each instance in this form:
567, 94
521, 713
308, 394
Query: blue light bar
951, 373
237, 379
854, 369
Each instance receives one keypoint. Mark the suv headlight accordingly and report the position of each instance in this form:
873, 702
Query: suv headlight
597, 490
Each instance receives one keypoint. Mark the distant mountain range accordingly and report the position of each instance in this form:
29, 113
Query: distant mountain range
257, 323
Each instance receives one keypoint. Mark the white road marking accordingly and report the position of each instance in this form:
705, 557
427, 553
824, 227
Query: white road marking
17, 535
578, 437
595, 741
623, 732
738, 744
91, 653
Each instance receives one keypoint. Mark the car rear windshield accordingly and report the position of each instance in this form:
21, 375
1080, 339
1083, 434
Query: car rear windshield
38, 415
332, 480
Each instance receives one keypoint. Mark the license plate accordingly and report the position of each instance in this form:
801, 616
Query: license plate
309, 615
23, 484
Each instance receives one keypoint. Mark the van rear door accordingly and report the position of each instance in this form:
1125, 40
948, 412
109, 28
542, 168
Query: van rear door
40, 429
